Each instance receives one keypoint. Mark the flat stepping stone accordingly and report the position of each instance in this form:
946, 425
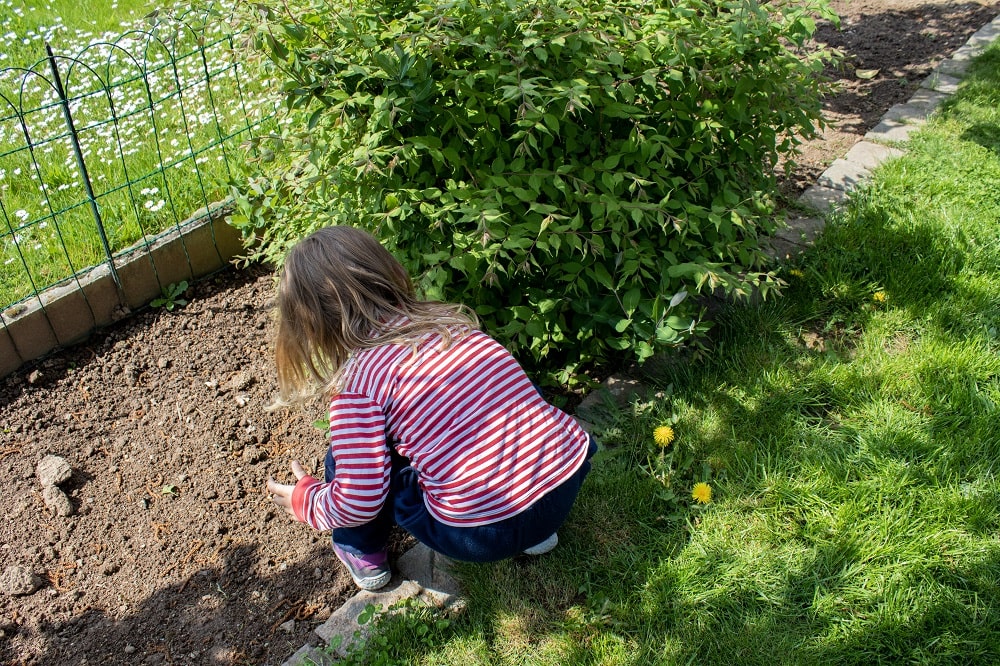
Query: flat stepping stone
868, 155
821, 199
844, 175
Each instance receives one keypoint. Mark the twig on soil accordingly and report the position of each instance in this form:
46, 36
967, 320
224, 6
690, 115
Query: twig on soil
187, 558
55, 577
279, 448
10, 450
298, 610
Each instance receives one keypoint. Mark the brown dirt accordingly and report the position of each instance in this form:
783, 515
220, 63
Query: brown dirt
174, 554
903, 40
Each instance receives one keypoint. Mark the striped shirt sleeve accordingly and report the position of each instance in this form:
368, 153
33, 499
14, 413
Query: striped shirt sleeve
361, 479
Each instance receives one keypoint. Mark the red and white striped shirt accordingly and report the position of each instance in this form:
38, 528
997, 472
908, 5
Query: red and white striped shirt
484, 443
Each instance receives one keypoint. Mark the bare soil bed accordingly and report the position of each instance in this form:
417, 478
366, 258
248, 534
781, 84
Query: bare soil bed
173, 554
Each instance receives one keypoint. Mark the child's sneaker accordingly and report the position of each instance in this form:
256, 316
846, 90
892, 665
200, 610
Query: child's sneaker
544, 546
370, 572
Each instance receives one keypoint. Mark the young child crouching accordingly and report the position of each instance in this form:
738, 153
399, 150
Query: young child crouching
433, 425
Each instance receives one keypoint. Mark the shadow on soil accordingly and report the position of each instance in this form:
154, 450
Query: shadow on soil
196, 621
888, 41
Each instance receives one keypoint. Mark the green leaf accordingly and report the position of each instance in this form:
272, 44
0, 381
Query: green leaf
602, 276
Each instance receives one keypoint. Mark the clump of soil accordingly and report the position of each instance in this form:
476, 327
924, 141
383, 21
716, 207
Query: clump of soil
172, 552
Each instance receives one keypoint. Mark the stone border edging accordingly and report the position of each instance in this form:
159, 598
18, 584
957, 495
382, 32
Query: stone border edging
71, 311
881, 143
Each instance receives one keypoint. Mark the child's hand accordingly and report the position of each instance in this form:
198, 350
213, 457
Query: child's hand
281, 493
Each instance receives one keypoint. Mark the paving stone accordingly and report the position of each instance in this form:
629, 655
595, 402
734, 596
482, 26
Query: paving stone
953, 67
967, 52
941, 82
344, 621
911, 114
891, 130
308, 655
822, 199
10, 360
928, 100
432, 572
807, 229
868, 155
843, 175
616, 392
982, 38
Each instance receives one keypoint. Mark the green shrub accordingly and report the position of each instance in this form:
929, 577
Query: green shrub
571, 169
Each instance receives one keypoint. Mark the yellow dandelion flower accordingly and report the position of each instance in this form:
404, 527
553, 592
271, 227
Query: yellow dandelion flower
664, 435
880, 297
702, 493
796, 273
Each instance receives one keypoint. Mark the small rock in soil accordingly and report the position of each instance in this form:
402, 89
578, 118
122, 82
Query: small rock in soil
57, 501
53, 470
239, 382
18, 581
288, 627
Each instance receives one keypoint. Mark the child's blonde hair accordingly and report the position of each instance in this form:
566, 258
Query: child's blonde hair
340, 291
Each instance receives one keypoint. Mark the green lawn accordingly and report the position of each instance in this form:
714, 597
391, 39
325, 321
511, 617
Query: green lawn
850, 432
158, 125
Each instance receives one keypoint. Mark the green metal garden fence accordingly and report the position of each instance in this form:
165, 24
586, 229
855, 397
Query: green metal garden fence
103, 156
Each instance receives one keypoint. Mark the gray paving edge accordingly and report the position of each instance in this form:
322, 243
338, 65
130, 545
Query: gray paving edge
887, 140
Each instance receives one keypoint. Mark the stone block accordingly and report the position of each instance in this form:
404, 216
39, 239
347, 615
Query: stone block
981, 39
307, 655
227, 238
781, 248
868, 155
138, 279
891, 131
344, 621
102, 295
843, 175
209, 242
953, 67
29, 330
910, 114
928, 99
615, 393
10, 360
941, 83
68, 312
967, 52
822, 199
200, 249
432, 572
170, 260
806, 229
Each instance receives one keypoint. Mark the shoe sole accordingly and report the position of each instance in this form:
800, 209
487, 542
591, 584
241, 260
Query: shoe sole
544, 547
373, 582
